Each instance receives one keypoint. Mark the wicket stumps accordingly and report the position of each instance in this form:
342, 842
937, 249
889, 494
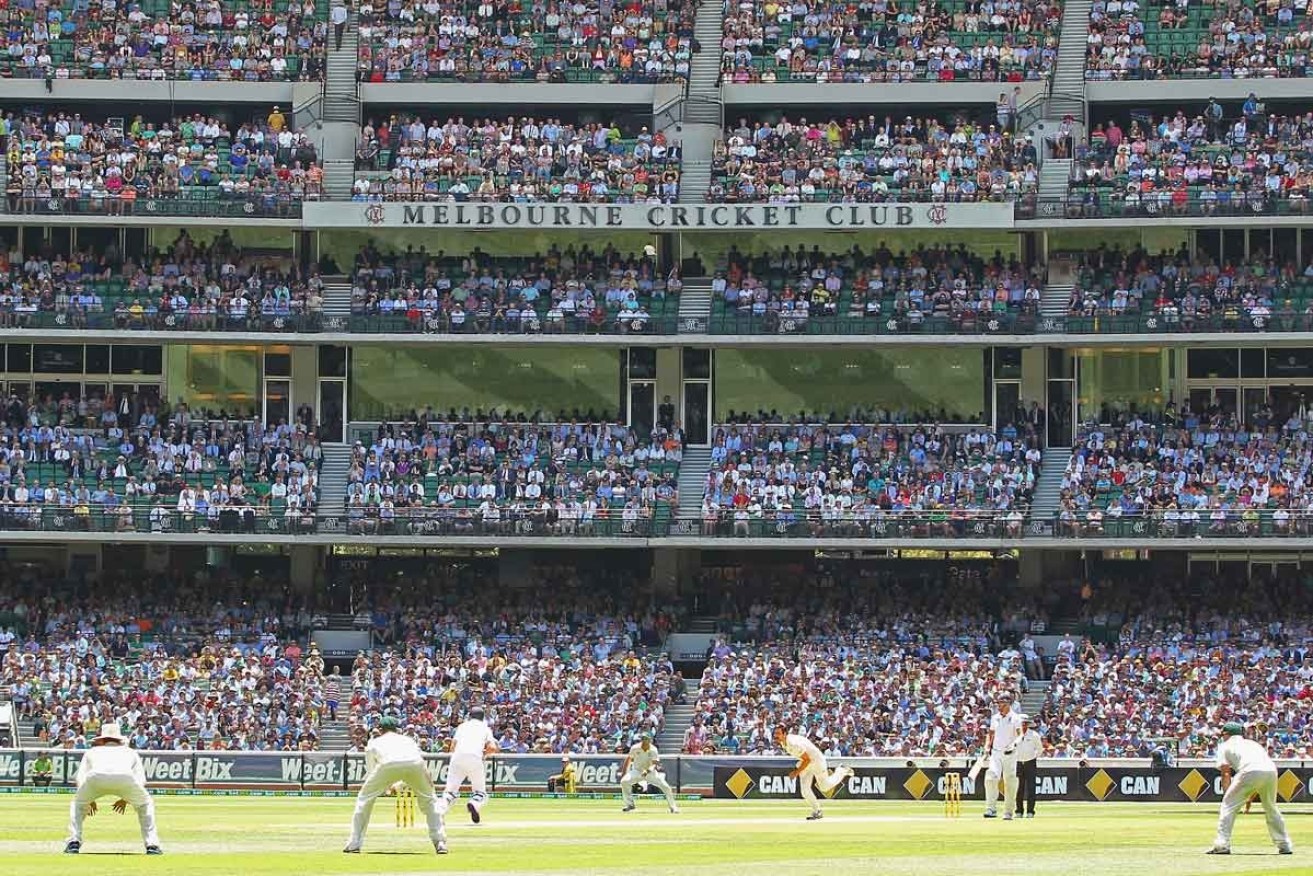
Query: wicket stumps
952, 794
405, 808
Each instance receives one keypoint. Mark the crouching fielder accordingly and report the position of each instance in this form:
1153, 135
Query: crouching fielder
811, 769
643, 764
1247, 770
392, 758
110, 768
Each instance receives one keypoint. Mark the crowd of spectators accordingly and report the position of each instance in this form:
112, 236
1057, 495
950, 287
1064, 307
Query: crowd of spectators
864, 480
1196, 164
787, 290
1174, 291
575, 477
188, 285
564, 661
516, 159
937, 41
57, 161
183, 662
1192, 653
642, 41
574, 289
872, 160
1162, 40
127, 463
1191, 473
207, 41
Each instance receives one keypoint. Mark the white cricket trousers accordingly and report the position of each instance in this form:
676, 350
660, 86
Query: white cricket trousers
817, 775
415, 775
1002, 771
463, 768
1243, 786
122, 787
652, 777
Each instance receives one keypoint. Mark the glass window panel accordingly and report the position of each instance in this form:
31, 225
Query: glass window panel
390, 382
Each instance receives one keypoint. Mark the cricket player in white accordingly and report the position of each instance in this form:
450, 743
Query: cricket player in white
471, 743
393, 759
644, 765
811, 769
1247, 770
110, 768
1004, 730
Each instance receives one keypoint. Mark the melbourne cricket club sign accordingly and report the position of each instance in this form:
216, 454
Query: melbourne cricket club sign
658, 217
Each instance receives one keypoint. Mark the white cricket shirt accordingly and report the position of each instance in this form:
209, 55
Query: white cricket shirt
471, 737
1244, 756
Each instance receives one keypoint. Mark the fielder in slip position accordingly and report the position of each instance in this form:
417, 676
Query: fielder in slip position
110, 768
1247, 770
393, 760
811, 771
471, 743
643, 764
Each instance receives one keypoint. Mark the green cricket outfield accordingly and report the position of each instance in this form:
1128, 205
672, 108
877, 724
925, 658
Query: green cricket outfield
235, 836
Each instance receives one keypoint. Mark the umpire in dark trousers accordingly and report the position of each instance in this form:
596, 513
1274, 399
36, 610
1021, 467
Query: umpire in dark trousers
1029, 747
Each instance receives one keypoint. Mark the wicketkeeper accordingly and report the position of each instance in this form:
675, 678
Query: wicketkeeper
392, 760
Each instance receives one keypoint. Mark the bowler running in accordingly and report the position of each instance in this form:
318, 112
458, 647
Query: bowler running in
812, 771
393, 759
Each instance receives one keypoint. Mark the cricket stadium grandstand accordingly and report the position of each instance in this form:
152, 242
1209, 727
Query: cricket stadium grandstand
668, 367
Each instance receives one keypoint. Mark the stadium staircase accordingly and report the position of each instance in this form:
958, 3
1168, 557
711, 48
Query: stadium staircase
332, 486
1067, 88
1048, 489
701, 114
341, 113
692, 482
27, 736
1054, 180
336, 735
678, 719
1032, 701
695, 305
1054, 299
337, 297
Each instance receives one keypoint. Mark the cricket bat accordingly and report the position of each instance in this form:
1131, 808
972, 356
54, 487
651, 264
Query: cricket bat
981, 763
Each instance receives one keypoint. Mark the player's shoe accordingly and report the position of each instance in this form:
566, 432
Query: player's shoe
1216, 851
72, 847
990, 813
816, 816
440, 847
154, 850
674, 810
351, 850
1007, 816
1285, 850
628, 808
474, 812
1030, 814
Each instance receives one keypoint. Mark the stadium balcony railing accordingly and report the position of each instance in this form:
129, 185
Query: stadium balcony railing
1157, 524
197, 201
944, 523
1111, 203
986, 323
441, 325
139, 518
109, 320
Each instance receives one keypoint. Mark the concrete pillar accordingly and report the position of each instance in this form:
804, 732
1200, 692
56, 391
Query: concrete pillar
303, 572
671, 567
1034, 375
305, 376
669, 374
